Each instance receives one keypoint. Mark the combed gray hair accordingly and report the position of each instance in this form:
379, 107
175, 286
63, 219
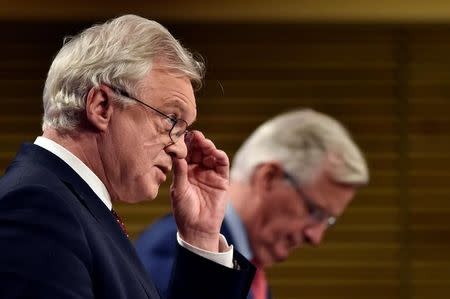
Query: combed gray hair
119, 52
300, 140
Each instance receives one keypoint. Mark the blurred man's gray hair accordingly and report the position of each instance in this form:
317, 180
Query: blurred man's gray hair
300, 140
120, 53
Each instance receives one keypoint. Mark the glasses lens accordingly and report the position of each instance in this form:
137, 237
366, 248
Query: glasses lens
178, 130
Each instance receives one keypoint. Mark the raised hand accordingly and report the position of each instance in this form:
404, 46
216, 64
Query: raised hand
199, 191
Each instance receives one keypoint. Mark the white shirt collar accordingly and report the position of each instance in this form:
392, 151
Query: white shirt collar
78, 166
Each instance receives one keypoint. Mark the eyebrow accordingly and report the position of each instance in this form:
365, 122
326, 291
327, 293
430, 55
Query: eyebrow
173, 102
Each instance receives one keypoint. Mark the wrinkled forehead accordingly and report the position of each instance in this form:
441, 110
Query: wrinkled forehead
165, 88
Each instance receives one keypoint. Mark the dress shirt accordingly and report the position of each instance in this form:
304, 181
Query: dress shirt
224, 257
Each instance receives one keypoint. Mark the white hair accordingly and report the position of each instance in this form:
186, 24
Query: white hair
119, 52
300, 140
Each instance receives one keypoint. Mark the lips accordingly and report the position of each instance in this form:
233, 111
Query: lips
164, 169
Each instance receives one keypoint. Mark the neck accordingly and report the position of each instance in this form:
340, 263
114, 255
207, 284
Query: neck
84, 146
242, 198
247, 202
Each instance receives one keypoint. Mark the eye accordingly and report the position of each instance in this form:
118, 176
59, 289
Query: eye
171, 119
316, 212
173, 116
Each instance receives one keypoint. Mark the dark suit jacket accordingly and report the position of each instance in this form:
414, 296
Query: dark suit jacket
58, 240
156, 247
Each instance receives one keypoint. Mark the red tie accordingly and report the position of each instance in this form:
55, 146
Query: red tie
120, 222
259, 284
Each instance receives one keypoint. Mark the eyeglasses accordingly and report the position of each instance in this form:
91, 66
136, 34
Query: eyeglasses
179, 126
317, 213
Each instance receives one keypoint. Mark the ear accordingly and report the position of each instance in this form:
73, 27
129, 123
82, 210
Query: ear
99, 107
266, 175
333, 158
331, 163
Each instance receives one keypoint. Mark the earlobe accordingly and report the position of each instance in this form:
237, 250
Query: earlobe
99, 108
333, 158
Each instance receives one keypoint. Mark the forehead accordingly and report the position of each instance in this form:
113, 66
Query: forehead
333, 196
165, 88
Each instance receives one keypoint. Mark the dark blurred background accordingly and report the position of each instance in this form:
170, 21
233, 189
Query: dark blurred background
380, 67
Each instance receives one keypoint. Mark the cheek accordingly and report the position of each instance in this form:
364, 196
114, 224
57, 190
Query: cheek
145, 154
279, 227
152, 148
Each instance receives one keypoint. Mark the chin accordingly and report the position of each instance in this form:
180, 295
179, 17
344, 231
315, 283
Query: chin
147, 194
279, 259
145, 189
281, 255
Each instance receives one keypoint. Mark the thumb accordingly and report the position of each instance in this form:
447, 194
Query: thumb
180, 178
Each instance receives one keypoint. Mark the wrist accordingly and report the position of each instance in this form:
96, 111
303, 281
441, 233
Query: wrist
205, 241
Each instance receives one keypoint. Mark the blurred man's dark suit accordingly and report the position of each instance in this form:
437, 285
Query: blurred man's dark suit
156, 248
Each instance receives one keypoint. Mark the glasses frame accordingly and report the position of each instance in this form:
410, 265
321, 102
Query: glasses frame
173, 137
316, 212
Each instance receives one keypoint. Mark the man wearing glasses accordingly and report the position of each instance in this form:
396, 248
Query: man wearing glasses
290, 181
118, 100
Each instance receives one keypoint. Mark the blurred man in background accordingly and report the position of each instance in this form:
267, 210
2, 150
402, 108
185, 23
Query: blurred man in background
290, 181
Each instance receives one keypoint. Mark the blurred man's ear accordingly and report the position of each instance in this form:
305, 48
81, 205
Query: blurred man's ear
333, 159
99, 108
266, 175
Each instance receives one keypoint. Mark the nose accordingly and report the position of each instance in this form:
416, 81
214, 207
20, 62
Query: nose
314, 234
177, 149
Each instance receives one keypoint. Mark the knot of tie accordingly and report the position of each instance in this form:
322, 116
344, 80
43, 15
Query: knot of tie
120, 222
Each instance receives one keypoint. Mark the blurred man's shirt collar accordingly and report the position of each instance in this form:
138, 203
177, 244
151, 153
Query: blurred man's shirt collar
238, 232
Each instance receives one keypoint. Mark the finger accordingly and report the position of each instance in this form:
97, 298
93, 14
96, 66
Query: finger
191, 145
205, 146
188, 136
222, 163
204, 152
199, 148
209, 162
180, 170
218, 162
199, 154
196, 156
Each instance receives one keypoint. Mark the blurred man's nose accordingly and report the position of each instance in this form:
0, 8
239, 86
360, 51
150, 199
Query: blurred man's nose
314, 234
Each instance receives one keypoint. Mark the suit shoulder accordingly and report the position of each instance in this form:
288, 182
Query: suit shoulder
39, 205
21, 175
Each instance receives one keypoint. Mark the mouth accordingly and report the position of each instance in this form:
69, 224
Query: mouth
164, 169
293, 244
